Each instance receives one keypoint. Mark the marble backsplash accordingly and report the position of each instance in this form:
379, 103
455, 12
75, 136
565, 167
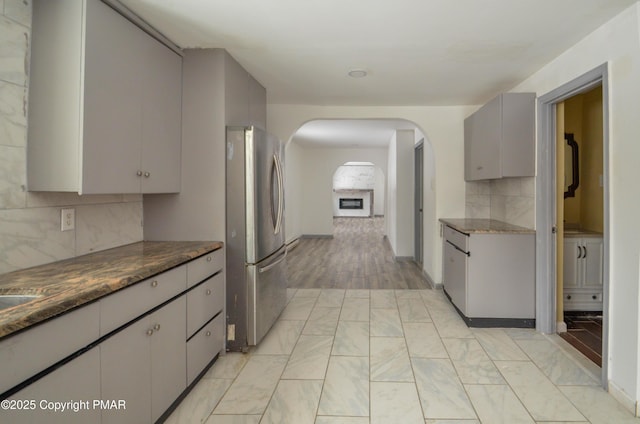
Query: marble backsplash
30, 222
510, 200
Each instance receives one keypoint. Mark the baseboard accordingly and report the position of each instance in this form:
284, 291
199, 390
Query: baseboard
432, 283
403, 258
482, 322
292, 244
316, 236
621, 396
561, 327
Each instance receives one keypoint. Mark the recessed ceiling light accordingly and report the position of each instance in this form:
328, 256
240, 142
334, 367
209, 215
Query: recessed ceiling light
357, 73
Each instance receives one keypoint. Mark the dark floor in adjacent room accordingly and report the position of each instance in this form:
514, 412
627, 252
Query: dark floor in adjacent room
584, 332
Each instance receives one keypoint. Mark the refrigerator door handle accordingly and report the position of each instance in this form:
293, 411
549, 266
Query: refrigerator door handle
278, 167
271, 265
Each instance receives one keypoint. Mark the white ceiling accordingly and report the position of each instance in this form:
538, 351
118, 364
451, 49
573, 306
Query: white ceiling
416, 52
353, 133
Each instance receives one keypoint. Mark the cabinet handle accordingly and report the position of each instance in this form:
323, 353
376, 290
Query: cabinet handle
156, 327
479, 168
147, 174
208, 258
154, 283
139, 173
208, 292
149, 332
208, 333
585, 251
579, 252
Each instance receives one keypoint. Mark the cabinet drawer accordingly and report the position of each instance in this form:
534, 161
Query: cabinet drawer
34, 350
204, 266
456, 237
583, 297
129, 303
204, 346
203, 302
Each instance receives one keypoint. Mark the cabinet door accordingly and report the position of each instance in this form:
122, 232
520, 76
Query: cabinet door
455, 276
161, 118
76, 380
112, 102
168, 355
571, 271
126, 373
482, 139
592, 258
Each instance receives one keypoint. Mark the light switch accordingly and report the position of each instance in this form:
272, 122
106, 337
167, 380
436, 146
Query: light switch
67, 219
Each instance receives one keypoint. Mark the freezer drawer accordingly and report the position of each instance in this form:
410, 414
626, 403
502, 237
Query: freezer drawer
267, 282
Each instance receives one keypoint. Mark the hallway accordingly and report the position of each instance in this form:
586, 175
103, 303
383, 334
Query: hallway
357, 257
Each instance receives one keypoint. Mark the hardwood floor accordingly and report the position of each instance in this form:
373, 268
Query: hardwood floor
357, 257
584, 332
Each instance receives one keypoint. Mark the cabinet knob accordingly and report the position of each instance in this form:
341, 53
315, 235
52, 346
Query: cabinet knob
208, 333
156, 327
594, 297
208, 258
149, 332
208, 292
139, 173
147, 174
154, 283
568, 297
479, 168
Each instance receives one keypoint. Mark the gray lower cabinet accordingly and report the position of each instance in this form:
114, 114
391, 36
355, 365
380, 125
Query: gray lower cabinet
490, 277
142, 345
74, 381
145, 365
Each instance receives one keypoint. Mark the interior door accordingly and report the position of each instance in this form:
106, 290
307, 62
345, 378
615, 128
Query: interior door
419, 202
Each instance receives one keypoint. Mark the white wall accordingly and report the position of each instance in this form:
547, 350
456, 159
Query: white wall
391, 221
618, 43
400, 193
442, 127
30, 222
309, 184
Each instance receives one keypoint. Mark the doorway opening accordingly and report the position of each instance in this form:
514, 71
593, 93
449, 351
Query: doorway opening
579, 190
553, 297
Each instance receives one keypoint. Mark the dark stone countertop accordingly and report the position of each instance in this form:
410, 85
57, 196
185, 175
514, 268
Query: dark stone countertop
68, 284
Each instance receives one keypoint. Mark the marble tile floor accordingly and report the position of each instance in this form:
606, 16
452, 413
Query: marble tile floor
397, 356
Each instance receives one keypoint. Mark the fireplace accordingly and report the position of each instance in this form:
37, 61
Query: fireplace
348, 203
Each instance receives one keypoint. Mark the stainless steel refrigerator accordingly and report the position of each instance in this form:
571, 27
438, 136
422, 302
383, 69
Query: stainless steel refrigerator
256, 274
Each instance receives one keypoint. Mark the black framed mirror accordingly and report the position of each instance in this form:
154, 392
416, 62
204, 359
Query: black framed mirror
571, 166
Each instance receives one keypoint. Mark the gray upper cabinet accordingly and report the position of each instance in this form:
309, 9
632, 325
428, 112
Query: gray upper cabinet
499, 138
104, 103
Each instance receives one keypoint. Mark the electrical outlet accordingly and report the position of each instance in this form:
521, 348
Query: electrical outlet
67, 219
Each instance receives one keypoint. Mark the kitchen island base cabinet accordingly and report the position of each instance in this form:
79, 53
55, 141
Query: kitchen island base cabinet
145, 365
490, 277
